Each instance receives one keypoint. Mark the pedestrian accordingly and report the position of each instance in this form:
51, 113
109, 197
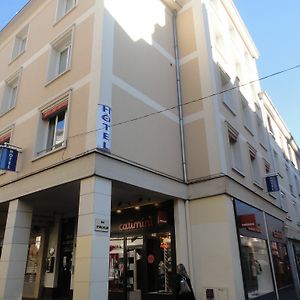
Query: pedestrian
184, 288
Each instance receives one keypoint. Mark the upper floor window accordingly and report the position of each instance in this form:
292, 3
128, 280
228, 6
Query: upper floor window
256, 176
20, 42
247, 115
60, 55
270, 125
10, 92
53, 124
5, 137
235, 149
63, 7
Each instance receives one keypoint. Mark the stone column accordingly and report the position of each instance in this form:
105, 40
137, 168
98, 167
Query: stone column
92, 246
14, 251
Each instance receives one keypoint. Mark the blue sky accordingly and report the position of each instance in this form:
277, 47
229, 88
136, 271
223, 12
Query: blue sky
274, 27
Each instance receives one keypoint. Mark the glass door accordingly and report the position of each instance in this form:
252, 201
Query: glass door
134, 267
125, 268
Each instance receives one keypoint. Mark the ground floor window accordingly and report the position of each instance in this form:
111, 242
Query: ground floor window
281, 263
142, 253
256, 267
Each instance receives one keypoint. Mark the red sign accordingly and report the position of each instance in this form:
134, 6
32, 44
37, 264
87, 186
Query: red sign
150, 258
162, 217
247, 221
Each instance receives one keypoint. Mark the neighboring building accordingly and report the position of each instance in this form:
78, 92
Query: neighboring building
142, 145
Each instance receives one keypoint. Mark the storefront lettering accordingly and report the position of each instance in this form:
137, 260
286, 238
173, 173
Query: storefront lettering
254, 228
136, 225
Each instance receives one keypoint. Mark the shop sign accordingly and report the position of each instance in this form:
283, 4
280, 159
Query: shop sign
139, 224
247, 220
162, 218
8, 158
104, 128
255, 228
272, 183
101, 225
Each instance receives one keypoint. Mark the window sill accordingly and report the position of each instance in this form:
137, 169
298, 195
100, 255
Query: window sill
264, 147
57, 76
16, 57
238, 172
230, 109
7, 111
258, 185
249, 130
39, 156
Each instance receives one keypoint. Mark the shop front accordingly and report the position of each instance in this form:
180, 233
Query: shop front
263, 251
142, 253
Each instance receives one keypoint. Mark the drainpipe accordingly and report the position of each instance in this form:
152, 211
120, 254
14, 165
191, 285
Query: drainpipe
182, 142
179, 96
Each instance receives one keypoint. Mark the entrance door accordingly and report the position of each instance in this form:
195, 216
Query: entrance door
134, 255
125, 268
66, 258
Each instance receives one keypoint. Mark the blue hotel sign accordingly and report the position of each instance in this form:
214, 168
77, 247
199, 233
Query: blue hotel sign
272, 183
8, 158
103, 126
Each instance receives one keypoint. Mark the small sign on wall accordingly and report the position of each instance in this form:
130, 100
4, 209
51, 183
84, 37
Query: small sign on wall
272, 183
104, 128
8, 158
101, 225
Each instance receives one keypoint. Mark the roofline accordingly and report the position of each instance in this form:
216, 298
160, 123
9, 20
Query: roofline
15, 16
241, 27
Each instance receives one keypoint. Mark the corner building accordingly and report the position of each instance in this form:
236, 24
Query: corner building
174, 174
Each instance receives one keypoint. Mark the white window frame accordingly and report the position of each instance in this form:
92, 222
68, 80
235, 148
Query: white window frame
42, 147
20, 43
57, 47
228, 97
247, 120
235, 150
63, 8
11, 90
5, 133
255, 170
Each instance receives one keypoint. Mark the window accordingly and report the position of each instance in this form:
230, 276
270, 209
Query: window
228, 96
10, 93
235, 151
254, 166
60, 55
20, 42
261, 131
267, 167
5, 137
246, 115
290, 181
64, 6
52, 129
270, 125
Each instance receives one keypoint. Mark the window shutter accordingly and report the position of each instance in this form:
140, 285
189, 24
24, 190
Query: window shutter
252, 152
56, 107
232, 133
5, 138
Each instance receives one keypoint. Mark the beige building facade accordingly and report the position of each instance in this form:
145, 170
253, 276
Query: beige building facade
141, 145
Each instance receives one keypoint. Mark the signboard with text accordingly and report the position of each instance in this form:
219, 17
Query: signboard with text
8, 158
272, 183
104, 128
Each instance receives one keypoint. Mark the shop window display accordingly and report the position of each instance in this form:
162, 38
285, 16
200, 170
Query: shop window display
159, 263
281, 265
256, 267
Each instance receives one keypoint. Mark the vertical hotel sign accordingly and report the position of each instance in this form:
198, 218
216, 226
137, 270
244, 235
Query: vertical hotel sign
104, 128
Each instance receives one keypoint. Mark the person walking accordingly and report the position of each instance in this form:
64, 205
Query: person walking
184, 288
